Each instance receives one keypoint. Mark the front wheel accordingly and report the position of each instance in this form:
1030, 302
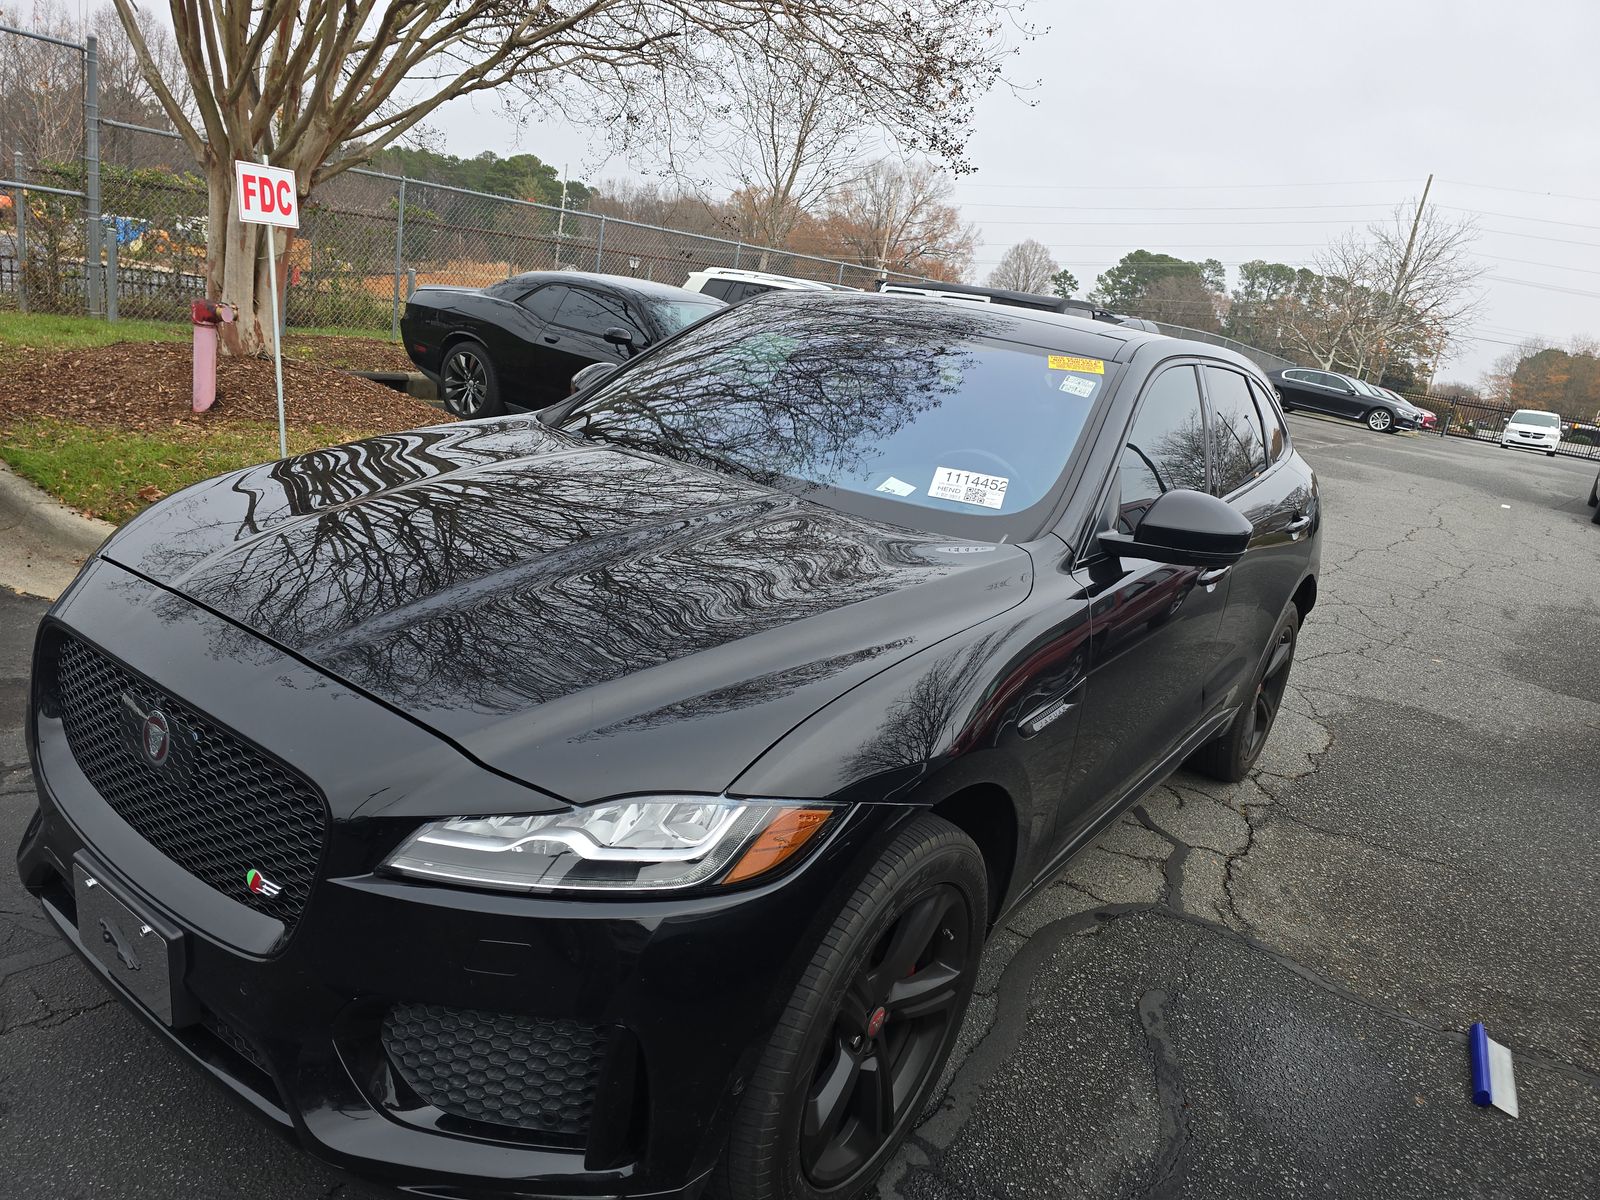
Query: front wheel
1380, 420
861, 1044
470, 386
1230, 757
1549, 453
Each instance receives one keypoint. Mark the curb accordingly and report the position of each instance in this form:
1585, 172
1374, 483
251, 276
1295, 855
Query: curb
42, 541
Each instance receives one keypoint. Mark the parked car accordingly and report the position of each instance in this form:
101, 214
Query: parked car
1343, 396
732, 285
1426, 417
1532, 429
516, 345
595, 802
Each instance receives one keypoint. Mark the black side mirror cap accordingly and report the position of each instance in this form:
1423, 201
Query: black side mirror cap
618, 336
1185, 528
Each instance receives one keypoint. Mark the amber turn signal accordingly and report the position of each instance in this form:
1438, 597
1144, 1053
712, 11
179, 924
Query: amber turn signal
789, 830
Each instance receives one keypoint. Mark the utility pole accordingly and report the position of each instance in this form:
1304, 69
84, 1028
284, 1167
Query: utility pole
1400, 273
561, 221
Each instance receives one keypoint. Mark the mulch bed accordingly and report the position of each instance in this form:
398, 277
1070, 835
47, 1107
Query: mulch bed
350, 353
147, 386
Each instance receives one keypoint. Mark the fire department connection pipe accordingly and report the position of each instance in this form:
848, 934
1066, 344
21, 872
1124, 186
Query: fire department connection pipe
207, 315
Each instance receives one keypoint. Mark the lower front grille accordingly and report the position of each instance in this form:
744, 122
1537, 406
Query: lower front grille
522, 1072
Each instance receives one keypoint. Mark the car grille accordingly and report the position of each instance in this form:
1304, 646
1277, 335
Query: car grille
505, 1070
218, 807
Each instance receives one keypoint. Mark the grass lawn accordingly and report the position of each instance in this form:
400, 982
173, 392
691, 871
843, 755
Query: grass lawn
113, 473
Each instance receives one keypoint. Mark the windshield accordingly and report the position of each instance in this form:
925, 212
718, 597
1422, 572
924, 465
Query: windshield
897, 399
1530, 416
673, 315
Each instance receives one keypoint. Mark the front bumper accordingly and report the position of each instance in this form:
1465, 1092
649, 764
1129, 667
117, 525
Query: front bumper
1540, 444
681, 991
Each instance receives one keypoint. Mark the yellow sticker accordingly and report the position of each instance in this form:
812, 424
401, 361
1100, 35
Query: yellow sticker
1068, 362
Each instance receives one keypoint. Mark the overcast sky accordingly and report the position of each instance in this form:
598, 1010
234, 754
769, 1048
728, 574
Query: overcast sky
1240, 129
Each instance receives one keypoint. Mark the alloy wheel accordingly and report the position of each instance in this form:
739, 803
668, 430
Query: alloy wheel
466, 383
1379, 420
886, 1038
1269, 693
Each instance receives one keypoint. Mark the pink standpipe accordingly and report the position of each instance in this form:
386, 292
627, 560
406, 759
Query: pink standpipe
206, 315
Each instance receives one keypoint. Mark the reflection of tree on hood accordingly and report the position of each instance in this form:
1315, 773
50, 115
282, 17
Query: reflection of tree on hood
783, 388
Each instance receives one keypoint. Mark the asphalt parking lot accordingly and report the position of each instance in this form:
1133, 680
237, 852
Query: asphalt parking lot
1251, 990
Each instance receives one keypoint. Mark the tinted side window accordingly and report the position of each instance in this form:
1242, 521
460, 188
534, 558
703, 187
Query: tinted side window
1167, 448
543, 302
1277, 435
720, 288
596, 312
1238, 449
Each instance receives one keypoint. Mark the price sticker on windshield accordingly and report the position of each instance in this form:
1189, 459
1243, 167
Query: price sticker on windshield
1071, 362
968, 487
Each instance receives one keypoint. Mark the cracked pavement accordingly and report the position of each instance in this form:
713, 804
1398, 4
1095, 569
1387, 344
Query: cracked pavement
1258, 989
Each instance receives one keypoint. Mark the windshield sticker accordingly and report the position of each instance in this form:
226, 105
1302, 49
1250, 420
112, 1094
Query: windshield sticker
1069, 362
1074, 386
968, 487
896, 487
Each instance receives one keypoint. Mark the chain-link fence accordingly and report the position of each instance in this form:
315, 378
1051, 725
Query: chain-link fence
123, 233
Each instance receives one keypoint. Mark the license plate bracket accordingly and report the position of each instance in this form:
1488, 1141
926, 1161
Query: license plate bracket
142, 952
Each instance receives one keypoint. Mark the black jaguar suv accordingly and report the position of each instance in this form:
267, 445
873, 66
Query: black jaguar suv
614, 801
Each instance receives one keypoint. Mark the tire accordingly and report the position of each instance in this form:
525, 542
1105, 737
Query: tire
928, 888
1379, 420
468, 383
1594, 492
1549, 453
1230, 756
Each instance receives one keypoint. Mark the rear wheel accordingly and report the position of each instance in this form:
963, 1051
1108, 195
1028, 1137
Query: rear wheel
862, 1042
1231, 756
468, 382
1380, 420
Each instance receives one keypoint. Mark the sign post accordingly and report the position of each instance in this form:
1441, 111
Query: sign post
266, 195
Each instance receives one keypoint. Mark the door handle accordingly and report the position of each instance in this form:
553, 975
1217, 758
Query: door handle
1209, 579
1298, 526
552, 340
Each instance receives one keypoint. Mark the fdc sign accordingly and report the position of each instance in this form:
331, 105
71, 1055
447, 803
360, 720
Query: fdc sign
266, 195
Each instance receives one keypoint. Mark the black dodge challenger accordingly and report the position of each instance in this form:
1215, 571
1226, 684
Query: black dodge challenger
615, 802
517, 344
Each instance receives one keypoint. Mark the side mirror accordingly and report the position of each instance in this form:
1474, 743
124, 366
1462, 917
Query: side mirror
590, 375
1186, 528
618, 336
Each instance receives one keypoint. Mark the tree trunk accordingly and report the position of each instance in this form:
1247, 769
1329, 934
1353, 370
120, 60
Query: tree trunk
236, 267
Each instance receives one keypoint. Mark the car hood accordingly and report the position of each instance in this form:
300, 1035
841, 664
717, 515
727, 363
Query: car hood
1521, 427
590, 621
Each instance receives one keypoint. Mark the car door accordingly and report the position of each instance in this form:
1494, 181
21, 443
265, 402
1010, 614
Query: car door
576, 337
1153, 626
525, 363
1344, 399
1251, 470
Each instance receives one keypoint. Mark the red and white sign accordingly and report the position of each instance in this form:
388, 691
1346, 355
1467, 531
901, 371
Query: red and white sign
265, 195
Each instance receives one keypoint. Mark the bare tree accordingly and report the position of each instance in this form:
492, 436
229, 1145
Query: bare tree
897, 217
1422, 263
1026, 267
41, 113
318, 86
791, 139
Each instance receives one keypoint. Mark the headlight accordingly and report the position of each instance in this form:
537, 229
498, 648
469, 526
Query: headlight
646, 844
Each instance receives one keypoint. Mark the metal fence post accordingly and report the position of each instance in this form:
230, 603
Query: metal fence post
399, 257
111, 276
841, 274
411, 282
91, 170
738, 247
20, 203
599, 244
